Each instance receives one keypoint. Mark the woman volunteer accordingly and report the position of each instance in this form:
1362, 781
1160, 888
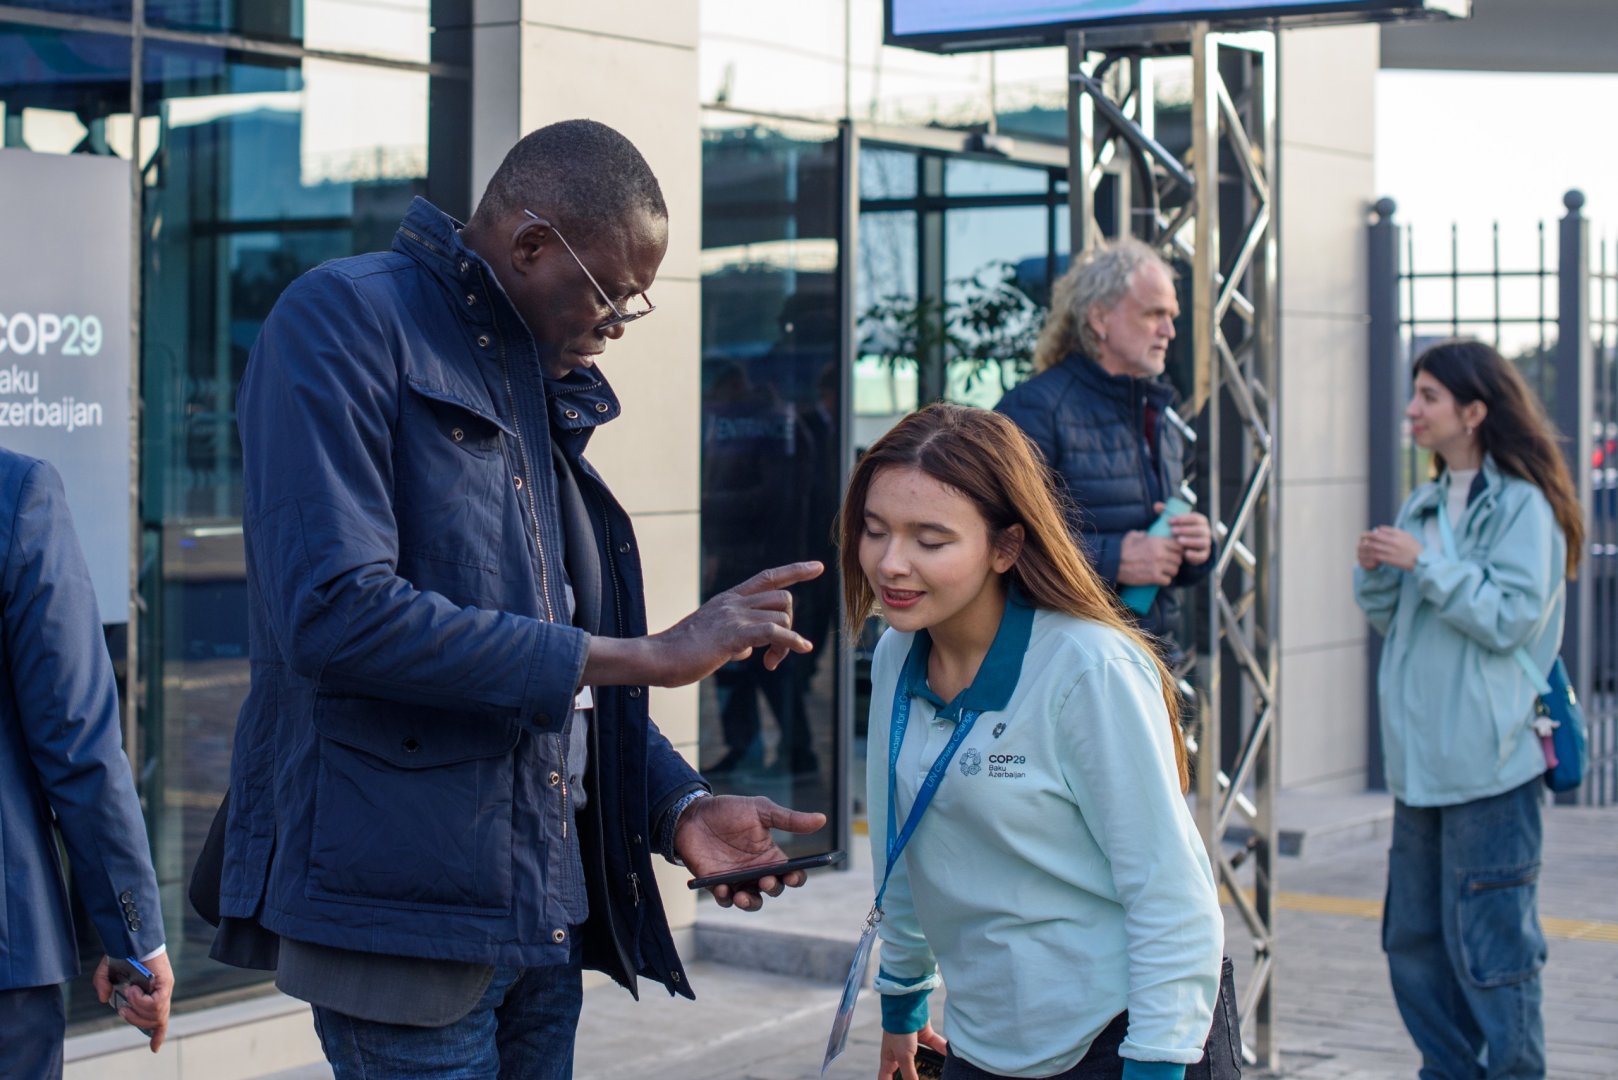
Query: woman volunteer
1053, 878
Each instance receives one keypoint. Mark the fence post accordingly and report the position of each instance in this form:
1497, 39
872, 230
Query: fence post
1388, 379
1575, 386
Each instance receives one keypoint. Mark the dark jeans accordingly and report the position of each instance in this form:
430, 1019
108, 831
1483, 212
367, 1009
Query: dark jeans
1221, 1058
1462, 934
32, 1023
522, 1029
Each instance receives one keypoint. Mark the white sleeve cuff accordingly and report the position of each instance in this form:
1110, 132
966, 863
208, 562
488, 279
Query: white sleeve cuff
159, 951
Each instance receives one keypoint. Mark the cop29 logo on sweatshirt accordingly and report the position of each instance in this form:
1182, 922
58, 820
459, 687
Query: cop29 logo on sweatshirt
971, 763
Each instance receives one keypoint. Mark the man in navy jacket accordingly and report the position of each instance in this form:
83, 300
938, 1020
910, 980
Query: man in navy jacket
1101, 416
446, 789
62, 758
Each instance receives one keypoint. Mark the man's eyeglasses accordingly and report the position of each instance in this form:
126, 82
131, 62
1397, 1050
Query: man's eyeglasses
619, 318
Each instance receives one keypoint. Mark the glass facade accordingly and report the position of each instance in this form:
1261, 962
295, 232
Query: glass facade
255, 165
941, 234
771, 440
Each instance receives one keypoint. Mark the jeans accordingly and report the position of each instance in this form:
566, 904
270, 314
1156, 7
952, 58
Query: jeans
522, 1029
1461, 930
32, 1023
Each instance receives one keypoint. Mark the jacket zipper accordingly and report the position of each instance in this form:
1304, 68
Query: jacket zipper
618, 608
528, 486
423, 241
561, 753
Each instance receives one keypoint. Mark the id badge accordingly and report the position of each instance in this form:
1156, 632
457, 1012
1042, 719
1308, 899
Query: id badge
585, 699
851, 992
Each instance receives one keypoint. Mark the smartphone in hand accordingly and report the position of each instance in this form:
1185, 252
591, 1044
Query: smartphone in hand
929, 1062
749, 875
128, 972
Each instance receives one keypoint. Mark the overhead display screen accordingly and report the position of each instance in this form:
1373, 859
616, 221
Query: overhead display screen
953, 25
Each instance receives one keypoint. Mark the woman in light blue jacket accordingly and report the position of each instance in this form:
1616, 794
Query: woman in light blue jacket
1474, 570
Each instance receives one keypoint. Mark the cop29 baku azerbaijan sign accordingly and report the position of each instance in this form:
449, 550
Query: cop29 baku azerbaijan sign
966, 25
64, 343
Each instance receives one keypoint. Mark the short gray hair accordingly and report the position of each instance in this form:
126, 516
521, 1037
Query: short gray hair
1099, 278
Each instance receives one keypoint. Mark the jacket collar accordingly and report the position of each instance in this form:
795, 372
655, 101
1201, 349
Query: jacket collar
1123, 388
1485, 487
997, 676
578, 402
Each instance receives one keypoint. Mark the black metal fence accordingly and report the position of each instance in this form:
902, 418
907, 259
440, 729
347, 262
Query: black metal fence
1550, 305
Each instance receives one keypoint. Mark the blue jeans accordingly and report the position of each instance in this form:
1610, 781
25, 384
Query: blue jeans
1461, 930
522, 1029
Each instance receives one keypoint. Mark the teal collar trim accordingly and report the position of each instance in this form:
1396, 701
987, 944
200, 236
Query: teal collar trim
997, 676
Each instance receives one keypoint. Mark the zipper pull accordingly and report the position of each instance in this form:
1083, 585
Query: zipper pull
634, 887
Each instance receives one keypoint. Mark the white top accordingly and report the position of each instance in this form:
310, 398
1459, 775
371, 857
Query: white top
1057, 877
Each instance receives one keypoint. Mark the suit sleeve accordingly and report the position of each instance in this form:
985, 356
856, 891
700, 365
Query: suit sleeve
317, 408
68, 702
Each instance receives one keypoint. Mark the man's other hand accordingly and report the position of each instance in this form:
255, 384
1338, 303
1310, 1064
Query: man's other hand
148, 1011
732, 832
1148, 560
1194, 535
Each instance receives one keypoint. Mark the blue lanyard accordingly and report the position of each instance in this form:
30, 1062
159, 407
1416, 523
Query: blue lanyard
897, 838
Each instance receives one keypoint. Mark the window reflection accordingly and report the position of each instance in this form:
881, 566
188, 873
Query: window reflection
396, 29
771, 443
60, 91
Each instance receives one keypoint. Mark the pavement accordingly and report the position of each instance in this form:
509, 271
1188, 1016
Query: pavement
767, 982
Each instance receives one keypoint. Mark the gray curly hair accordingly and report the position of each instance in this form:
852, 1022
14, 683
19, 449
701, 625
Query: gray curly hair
1099, 278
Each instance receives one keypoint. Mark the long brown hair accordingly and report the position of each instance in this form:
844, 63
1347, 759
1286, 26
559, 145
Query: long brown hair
988, 460
1515, 431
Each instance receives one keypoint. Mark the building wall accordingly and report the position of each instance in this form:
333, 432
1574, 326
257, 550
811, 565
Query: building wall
633, 66
1327, 110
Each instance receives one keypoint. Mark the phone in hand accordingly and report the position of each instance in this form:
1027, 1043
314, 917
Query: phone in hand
749, 875
128, 972
929, 1063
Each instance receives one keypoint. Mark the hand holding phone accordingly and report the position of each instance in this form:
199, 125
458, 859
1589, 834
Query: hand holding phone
750, 875
128, 972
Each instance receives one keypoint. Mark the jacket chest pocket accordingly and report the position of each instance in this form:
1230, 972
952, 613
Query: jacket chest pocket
449, 466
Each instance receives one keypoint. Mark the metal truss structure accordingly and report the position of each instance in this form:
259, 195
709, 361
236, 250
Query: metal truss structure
1212, 210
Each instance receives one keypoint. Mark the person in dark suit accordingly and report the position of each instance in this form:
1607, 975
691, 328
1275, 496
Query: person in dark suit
62, 758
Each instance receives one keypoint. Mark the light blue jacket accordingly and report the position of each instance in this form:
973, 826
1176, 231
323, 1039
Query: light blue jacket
1456, 707
1057, 878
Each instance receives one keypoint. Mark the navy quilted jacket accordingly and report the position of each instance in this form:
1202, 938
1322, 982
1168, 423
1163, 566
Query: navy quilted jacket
1090, 426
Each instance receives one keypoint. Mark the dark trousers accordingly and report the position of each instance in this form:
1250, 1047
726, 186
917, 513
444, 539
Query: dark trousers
33, 1021
1221, 1059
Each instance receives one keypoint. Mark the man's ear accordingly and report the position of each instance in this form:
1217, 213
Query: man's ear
1008, 548
1093, 319
527, 241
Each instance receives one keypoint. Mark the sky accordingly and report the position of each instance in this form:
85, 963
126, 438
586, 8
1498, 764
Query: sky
1474, 148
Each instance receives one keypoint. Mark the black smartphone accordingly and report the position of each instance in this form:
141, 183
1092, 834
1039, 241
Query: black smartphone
129, 972
749, 874
929, 1062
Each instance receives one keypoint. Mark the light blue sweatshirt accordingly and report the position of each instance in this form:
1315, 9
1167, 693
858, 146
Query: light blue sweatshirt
1057, 878
1456, 707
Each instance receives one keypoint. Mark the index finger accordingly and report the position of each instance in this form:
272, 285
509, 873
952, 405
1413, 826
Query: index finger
779, 577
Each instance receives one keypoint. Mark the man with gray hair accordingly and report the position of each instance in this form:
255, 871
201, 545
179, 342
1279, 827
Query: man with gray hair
1098, 411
